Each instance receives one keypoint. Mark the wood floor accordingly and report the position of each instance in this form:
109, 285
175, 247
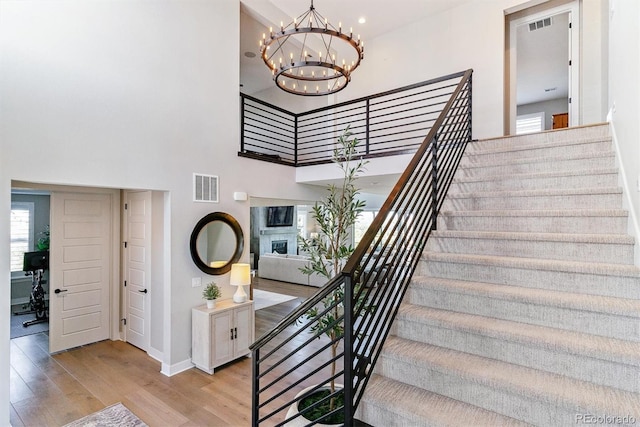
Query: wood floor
55, 390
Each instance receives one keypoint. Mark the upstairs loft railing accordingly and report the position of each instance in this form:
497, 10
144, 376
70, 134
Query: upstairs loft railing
365, 297
388, 123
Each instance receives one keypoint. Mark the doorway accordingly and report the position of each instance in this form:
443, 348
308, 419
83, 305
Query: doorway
29, 234
542, 69
98, 215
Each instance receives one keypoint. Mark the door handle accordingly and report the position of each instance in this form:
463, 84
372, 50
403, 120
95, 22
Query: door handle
231, 330
144, 292
57, 291
235, 336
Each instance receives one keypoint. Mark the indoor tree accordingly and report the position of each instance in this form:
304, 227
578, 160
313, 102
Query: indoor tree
329, 251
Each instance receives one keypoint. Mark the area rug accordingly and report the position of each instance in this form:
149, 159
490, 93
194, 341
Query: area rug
263, 299
112, 416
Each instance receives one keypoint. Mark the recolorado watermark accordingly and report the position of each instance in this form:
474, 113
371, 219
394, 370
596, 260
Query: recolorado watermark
605, 419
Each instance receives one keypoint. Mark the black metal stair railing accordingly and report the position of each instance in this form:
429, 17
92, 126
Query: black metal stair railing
388, 123
368, 292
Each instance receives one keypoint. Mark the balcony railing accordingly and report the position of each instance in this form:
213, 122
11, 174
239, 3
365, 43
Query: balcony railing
386, 124
365, 297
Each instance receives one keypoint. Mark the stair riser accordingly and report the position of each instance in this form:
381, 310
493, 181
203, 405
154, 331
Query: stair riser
555, 136
589, 322
524, 354
506, 183
565, 251
375, 415
621, 287
484, 395
590, 147
543, 165
541, 224
575, 201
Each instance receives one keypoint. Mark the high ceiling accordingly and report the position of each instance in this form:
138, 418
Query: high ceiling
258, 15
542, 54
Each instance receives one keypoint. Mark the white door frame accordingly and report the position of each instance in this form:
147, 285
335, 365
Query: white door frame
573, 9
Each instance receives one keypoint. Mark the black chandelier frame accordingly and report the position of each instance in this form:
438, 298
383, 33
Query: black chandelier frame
294, 67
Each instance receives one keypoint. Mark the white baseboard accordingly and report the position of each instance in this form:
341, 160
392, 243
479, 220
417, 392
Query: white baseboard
634, 226
155, 354
176, 368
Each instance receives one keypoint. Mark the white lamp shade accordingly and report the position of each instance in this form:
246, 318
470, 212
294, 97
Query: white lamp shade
218, 264
240, 276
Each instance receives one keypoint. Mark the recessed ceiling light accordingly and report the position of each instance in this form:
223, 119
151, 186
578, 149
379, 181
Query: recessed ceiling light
250, 54
362, 20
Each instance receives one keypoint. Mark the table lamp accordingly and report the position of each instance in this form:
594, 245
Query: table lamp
240, 276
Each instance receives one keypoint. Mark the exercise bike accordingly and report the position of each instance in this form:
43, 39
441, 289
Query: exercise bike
35, 263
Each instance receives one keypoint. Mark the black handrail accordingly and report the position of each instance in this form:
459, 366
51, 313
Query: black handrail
388, 123
373, 282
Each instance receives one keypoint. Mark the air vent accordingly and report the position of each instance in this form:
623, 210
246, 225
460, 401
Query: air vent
205, 188
546, 22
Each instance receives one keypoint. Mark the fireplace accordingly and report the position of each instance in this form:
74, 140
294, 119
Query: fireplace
279, 246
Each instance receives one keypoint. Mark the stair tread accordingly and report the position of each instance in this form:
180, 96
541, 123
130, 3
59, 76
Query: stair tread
578, 172
540, 145
424, 407
470, 164
598, 269
552, 388
543, 237
539, 212
533, 193
559, 340
576, 301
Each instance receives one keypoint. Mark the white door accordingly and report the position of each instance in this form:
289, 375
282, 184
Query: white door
80, 269
137, 267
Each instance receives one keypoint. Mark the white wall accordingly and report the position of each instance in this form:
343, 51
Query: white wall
133, 94
624, 99
469, 36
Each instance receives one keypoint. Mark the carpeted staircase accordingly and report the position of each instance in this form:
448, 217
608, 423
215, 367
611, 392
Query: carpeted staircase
526, 306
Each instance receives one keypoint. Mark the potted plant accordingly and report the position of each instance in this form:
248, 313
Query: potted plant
329, 251
211, 292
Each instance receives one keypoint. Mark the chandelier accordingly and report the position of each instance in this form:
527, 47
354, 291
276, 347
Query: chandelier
311, 57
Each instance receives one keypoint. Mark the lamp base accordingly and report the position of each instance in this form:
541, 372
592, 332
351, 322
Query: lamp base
240, 295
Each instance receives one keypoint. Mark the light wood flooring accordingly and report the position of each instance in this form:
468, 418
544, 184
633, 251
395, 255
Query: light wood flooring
55, 390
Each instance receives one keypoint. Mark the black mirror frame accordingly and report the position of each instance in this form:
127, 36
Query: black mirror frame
237, 231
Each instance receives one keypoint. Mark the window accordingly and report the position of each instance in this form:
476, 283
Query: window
21, 232
529, 123
363, 221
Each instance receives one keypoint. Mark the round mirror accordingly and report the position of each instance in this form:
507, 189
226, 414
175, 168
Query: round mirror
216, 243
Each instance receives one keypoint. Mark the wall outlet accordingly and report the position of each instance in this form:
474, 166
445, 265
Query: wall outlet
196, 281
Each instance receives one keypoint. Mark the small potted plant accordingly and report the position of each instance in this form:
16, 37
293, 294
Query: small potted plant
210, 293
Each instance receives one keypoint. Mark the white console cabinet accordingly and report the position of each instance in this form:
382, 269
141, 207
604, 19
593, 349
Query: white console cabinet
221, 334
